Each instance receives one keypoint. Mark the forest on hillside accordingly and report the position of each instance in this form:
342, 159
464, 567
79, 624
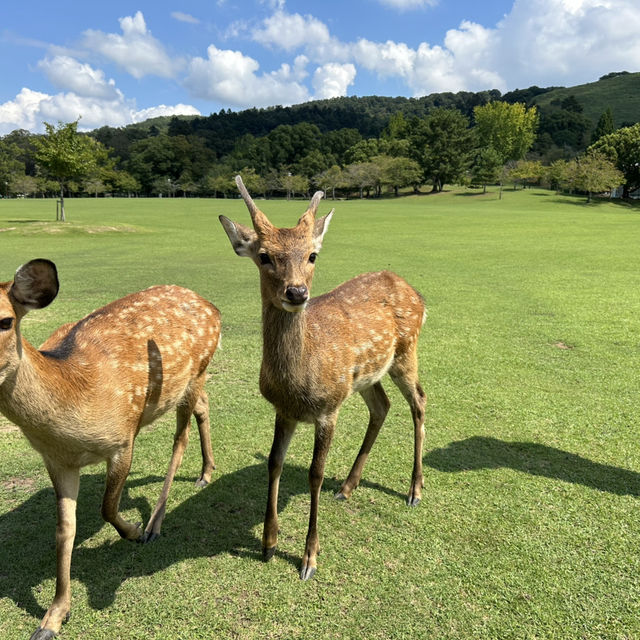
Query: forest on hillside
364, 145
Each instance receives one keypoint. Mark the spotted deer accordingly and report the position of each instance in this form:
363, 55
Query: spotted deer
84, 395
318, 351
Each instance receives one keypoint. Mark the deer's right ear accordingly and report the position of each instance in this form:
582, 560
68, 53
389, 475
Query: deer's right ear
243, 240
35, 284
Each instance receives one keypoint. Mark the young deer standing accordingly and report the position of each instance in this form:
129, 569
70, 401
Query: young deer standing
83, 397
318, 351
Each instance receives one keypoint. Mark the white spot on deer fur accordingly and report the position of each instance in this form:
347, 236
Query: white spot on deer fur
200, 332
208, 311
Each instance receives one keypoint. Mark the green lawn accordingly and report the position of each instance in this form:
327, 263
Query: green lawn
529, 526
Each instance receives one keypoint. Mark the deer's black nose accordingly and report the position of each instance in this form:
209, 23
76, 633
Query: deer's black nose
297, 295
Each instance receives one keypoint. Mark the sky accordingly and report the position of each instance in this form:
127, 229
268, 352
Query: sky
119, 62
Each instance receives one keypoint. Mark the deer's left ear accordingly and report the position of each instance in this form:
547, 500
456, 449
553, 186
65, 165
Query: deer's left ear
320, 227
243, 240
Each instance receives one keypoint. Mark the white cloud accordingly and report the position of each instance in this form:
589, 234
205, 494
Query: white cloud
332, 80
184, 17
31, 108
551, 42
67, 73
21, 112
291, 31
387, 58
136, 50
230, 77
164, 110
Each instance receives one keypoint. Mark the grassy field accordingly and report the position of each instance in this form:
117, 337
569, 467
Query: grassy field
530, 520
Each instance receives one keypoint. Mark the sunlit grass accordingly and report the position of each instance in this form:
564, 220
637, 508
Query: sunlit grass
531, 359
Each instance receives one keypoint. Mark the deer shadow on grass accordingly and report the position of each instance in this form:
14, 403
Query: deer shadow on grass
219, 519
480, 452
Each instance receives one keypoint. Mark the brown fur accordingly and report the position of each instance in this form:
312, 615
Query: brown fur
84, 395
317, 352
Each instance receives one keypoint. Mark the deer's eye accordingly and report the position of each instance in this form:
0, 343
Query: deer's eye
6, 324
264, 258
312, 257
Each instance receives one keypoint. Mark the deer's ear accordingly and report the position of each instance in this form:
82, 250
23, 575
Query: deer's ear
320, 227
35, 284
243, 240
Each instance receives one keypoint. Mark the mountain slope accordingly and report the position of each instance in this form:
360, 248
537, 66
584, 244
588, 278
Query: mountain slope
620, 91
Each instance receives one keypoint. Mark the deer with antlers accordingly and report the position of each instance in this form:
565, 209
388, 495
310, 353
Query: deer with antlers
84, 395
318, 351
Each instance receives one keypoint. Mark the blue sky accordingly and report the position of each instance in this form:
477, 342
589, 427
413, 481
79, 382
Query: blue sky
119, 62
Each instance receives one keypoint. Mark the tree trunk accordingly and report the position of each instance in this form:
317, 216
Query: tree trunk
62, 216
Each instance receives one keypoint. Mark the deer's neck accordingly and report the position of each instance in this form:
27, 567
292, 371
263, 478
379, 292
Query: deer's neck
285, 341
36, 389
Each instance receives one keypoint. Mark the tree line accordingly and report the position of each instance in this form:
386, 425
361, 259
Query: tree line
495, 143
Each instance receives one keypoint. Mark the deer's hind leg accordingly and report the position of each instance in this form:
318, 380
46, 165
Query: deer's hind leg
201, 413
404, 372
180, 441
378, 404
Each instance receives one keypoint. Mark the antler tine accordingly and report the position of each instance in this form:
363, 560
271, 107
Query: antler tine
251, 205
315, 201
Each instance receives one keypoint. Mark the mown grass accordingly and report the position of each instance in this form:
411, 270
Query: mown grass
531, 358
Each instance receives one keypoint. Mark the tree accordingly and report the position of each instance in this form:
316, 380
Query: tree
486, 169
124, 182
442, 144
293, 184
10, 167
594, 172
26, 185
604, 127
526, 171
399, 172
510, 129
362, 176
622, 147
65, 154
94, 186
557, 174
253, 182
331, 178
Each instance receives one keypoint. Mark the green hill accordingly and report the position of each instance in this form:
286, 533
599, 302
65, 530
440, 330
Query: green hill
619, 91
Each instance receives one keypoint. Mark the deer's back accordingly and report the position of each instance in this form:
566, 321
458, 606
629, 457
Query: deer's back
142, 351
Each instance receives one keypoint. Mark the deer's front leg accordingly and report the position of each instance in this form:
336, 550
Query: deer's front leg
66, 483
323, 436
283, 432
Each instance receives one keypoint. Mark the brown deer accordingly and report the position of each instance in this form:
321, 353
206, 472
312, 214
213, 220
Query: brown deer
318, 351
84, 395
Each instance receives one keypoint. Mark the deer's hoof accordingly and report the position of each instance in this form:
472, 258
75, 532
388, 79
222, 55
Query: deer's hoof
42, 634
148, 536
306, 573
413, 502
201, 483
267, 554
